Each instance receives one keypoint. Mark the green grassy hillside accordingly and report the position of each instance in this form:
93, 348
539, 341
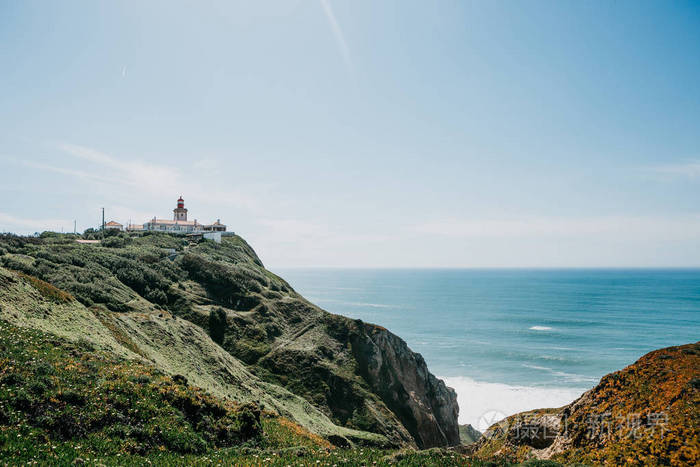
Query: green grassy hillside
61, 400
158, 296
174, 346
152, 349
66, 403
468, 434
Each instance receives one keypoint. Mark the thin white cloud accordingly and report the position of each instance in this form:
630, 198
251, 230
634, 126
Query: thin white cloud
147, 179
285, 242
134, 189
10, 223
295, 230
337, 32
689, 169
552, 227
65, 171
127, 214
129, 172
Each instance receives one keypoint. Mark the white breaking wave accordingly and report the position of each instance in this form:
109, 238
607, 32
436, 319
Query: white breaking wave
540, 328
482, 404
568, 377
371, 305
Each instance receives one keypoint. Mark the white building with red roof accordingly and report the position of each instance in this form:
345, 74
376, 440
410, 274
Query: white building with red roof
179, 223
111, 225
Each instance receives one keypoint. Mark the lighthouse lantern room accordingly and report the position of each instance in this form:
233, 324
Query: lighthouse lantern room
180, 213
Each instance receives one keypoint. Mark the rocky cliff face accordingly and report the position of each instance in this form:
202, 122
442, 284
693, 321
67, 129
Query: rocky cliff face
645, 414
361, 377
426, 407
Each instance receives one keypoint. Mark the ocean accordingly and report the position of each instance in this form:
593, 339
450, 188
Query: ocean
513, 340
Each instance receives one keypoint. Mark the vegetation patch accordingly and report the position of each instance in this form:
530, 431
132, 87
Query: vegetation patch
63, 403
47, 290
645, 414
55, 393
224, 289
120, 336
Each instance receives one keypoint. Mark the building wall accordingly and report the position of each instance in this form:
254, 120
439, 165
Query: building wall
178, 228
160, 225
216, 236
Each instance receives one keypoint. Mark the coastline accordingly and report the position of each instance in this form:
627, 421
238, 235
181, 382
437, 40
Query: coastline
509, 341
483, 403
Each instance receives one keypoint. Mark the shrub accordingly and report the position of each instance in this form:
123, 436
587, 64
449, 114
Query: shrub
12, 379
217, 325
37, 387
180, 439
114, 242
44, 368
231, 285
47, 290
180, 379
142, 379
107, 404
72, 398
156, 296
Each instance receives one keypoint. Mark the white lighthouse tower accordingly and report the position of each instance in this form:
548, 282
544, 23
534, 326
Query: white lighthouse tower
180, 213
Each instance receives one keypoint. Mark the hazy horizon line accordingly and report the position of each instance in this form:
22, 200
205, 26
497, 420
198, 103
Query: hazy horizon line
481, 268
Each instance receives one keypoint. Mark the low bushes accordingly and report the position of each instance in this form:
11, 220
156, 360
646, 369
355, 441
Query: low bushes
230, 284
52, 392
47, 290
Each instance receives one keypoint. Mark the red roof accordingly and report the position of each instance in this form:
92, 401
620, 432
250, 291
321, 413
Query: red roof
169, 221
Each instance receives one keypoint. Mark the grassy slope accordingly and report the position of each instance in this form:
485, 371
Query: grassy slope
284, 340
468, 434
62, 400
175, 346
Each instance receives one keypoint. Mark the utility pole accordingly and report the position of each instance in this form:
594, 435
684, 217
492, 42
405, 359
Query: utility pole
103, 223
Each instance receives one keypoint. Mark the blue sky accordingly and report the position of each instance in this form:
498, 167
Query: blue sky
364, 134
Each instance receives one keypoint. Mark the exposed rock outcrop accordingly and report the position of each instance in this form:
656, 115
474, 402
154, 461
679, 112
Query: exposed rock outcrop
426, 407
645, 414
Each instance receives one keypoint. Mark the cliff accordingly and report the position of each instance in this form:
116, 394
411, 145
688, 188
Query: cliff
645, 414
151, 349
213, 313
66, 402
425, 406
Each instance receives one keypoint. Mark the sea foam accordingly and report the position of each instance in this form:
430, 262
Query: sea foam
481, 403
540, 328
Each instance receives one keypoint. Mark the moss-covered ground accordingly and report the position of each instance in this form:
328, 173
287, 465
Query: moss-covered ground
133, 284
63, 403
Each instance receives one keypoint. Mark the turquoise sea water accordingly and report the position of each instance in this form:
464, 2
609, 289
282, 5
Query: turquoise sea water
511, 340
